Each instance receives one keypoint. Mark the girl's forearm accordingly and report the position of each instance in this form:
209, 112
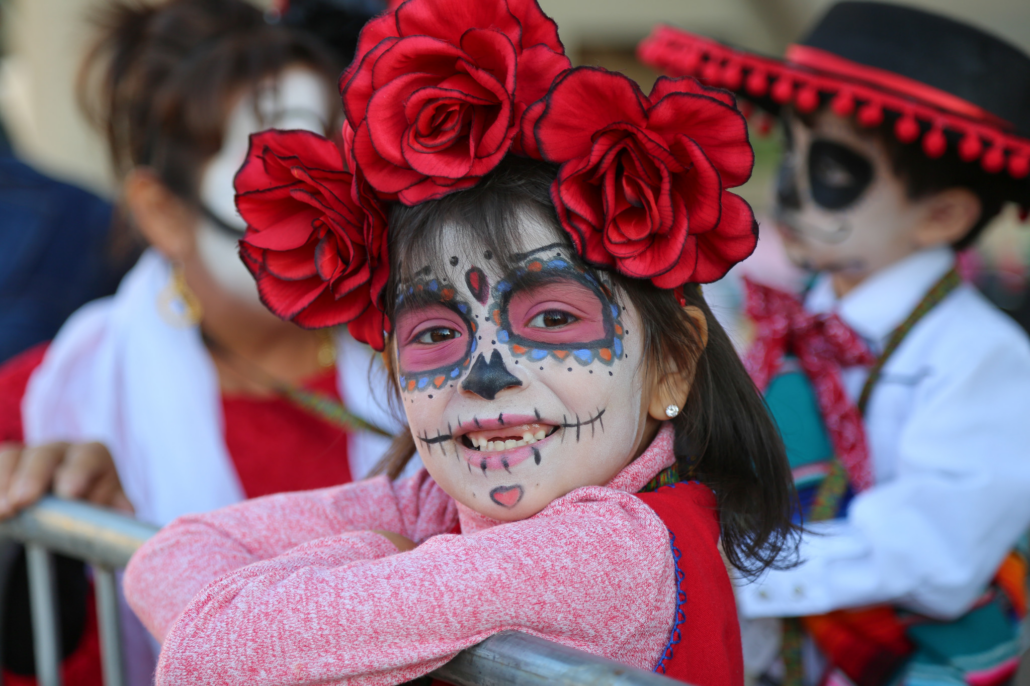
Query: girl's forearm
193, 551
316, 615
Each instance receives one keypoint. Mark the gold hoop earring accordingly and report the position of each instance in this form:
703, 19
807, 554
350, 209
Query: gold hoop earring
177, 303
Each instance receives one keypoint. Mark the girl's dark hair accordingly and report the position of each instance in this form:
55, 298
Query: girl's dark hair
162, 78
725, 437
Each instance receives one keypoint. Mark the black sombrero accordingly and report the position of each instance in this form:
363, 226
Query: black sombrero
942, 80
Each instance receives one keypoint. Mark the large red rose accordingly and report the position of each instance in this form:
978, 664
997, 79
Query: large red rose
438, 88
316, 239
642, 186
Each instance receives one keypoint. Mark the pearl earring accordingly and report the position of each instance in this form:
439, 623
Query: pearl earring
671, 411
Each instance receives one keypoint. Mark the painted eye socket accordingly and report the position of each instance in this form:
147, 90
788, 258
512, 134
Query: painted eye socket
837, 174
430, 337
552, 319
560, 313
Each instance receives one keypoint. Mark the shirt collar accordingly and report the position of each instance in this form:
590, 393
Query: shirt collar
634, 476
881, 303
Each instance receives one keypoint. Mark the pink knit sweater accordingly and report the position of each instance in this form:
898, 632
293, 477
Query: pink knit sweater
294, 589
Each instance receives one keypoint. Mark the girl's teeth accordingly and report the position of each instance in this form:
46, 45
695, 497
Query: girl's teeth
541, 435
509, 444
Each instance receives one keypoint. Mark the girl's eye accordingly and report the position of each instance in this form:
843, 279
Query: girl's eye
552, 319
437, 334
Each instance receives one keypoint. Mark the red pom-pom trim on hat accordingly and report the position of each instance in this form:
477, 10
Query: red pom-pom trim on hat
854, 90
642, 187
994, 160
906, 128
934, 143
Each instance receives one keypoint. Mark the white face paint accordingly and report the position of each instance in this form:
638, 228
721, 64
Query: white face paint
519, 387
841, 208
298, 99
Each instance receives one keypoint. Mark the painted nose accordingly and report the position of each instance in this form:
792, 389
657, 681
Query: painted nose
787, 188
487, 379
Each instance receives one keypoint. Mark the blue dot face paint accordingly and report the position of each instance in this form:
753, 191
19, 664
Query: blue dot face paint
523, 385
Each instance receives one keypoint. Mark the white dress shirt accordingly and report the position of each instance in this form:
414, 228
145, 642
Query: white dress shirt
948, 427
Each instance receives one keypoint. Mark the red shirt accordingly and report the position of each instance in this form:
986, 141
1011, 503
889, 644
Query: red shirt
275, 446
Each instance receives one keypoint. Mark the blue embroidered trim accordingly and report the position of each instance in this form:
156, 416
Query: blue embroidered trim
681, 600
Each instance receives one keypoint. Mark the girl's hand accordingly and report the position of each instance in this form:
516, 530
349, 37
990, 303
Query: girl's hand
400, 542
79, 471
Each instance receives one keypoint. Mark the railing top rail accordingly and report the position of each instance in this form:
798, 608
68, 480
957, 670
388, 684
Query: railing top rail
75, 529
107, 538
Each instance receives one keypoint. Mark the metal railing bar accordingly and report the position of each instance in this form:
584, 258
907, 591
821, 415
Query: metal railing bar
103, 537
44, 615
512, 658
109, 621
108, 539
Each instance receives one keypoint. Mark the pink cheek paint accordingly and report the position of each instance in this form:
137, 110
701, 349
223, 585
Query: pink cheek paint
415, 355
571, 298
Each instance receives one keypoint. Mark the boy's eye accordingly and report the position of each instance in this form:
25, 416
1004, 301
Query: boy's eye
552, 319
438, 334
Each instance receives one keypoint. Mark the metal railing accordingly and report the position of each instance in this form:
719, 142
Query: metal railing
106, 540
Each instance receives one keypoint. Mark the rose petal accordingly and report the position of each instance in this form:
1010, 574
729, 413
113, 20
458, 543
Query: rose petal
734, 240
666, 86
720, 130
537, 27
448, 21
585, 101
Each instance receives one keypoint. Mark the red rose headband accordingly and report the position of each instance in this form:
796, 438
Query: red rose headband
438, 93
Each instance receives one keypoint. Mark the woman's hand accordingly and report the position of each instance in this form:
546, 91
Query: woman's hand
77, 471
400, 542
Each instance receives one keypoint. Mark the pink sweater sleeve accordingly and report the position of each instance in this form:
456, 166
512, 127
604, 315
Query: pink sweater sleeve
594, 570
191, 552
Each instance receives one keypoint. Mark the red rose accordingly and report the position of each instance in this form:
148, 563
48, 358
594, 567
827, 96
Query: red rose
642, 187
438, 88
315, 240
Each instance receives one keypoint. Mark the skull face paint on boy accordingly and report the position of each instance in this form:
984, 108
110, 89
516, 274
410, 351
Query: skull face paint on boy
519, 387
840, 206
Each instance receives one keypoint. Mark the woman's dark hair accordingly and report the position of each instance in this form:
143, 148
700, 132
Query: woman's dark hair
725, 437
162, 78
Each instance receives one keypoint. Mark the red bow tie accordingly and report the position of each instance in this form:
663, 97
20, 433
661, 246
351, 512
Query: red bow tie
824, 345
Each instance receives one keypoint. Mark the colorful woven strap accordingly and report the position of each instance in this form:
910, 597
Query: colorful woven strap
666, 477
328, 409
933, 297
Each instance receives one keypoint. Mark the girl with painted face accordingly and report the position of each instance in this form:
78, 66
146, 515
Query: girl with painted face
524, 242
901, 393
183, 381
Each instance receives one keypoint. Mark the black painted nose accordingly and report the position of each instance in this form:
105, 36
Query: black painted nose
787, 195
487, 379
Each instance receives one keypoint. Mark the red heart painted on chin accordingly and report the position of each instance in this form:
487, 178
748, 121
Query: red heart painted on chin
507, 496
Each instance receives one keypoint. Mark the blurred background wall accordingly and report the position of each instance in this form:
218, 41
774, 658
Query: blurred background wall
43, 41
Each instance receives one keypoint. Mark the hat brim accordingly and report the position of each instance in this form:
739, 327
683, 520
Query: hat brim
808, 78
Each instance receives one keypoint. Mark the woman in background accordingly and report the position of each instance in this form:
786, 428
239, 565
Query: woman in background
198, 395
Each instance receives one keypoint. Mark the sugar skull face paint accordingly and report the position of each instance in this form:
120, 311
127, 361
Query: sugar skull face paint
298, 100
840, 207
510, 400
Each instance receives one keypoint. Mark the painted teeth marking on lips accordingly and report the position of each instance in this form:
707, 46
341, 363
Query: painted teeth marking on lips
509, 438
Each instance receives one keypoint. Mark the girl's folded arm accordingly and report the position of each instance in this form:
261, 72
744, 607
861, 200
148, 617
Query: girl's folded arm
191, 552
593, 571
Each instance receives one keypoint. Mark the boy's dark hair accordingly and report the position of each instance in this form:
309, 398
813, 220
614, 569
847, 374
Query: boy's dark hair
725, 437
